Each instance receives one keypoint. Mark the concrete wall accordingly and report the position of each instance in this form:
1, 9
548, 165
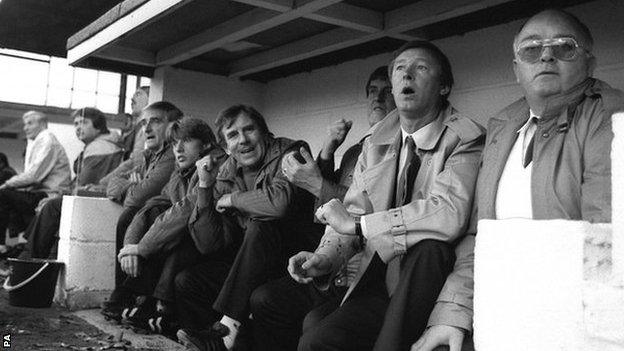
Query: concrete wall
301, 106
203, 95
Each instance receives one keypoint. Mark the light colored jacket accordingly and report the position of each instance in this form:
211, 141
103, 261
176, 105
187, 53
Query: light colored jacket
442, 198
571, 177
46, 167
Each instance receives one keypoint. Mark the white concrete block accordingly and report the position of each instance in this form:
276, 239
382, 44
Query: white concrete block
528, 285
617, 188
87, 247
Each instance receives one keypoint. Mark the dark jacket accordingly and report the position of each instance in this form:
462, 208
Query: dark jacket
272, 198
155, 169
178, 197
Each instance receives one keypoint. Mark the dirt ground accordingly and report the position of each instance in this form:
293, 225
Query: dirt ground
47, 329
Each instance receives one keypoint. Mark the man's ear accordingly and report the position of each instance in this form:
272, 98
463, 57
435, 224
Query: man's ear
515, 69
445, 90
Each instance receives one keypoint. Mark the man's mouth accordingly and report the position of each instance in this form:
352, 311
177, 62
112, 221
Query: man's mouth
407, 91
181, 158
547, 73
149, 137
246, 150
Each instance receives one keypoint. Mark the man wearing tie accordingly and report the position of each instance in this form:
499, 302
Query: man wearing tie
410, 201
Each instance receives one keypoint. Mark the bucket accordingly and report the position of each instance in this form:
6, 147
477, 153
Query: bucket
32, 282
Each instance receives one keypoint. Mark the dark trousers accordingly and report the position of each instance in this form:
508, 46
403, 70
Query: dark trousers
262, 257
43, 230
158, 273
122, 225
369, 319
17, 208
279, 308
196, 289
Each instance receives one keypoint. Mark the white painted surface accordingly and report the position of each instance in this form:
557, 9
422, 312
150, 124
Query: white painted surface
87, 247
528, 285
617, 189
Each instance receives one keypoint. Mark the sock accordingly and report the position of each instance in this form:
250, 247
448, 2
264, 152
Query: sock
233, 325
21, 239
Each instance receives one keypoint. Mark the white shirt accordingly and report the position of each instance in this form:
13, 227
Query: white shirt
513, 198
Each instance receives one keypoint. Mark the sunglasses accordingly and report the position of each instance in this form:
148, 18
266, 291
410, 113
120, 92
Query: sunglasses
565, 49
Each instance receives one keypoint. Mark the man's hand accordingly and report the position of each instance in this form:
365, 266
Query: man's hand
337, 134
304, 175
224, 203
303, 266
335, 215
128, 250
439, 335
206, 171
131, 265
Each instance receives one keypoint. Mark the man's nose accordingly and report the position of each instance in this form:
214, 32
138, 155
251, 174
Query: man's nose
179, 146
547, 54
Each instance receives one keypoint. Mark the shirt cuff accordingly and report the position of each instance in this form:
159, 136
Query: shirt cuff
451, 314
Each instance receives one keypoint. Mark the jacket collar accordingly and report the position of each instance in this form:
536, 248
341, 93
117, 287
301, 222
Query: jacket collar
388, 130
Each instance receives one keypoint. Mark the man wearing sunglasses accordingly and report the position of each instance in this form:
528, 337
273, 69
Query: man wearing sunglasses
547, 155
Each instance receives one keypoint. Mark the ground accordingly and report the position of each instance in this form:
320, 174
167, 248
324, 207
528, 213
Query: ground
55, 328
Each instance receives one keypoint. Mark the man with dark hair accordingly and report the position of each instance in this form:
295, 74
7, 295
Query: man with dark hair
280, 306
410, 200
147, 176
560, 131
6, 171
46, 172
100, 156
158, 234
248, 205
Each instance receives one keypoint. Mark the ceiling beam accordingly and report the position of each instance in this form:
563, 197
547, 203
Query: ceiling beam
235, 29
126, 54
340, 14
409, 17
137, 19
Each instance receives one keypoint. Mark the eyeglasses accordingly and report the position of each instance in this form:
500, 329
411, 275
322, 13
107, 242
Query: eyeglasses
564, 49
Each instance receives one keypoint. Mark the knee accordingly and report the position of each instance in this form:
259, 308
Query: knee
257, 231
260, 300
311, 340
184, 283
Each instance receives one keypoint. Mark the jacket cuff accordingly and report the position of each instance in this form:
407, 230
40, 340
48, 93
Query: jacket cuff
386, 231
451, 314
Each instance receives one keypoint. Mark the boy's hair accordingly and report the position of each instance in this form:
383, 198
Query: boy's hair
192, 128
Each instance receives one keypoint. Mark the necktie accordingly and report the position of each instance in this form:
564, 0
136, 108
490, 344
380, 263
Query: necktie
404, 189
530, 136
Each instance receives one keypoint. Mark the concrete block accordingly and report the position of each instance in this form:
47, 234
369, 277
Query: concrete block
87, 247
604, 313
528, 285
617, 198
597, 259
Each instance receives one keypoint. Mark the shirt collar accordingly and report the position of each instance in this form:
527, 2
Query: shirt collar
525, 126
425, 135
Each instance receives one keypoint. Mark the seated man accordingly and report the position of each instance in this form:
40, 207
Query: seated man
148, 175
280, 306
46, 172
256, 209
99, 157
560, 130
6, 171
410, 200
157, 244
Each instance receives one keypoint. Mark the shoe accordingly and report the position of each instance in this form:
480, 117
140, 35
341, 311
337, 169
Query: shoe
138, 315
164, 324
205, 340
113, 308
